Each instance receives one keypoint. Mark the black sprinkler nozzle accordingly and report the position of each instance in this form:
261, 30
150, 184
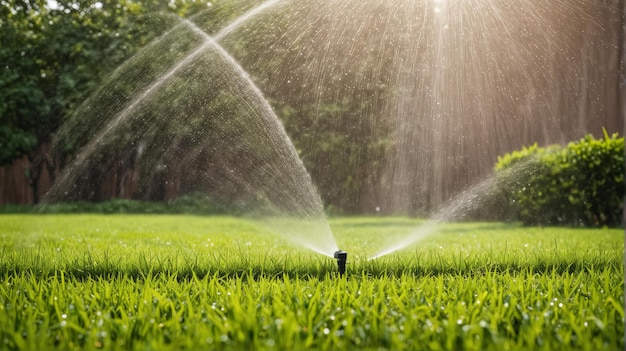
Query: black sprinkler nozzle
341, 257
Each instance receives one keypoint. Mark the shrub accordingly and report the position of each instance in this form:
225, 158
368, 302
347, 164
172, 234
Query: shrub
196, 203
581, 184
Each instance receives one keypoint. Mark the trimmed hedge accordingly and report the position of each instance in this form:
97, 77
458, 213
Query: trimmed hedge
196, 203
581, 184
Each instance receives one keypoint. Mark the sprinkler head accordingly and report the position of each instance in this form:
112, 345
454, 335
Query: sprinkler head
341, 257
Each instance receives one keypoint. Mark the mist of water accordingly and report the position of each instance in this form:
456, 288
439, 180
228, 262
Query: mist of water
419, 98
444, 86
478, 197
456, 209
433, 90
260, 165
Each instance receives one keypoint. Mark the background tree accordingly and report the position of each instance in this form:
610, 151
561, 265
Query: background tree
55, 54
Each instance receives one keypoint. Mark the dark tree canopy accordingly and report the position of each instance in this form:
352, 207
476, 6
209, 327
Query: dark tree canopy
54, 53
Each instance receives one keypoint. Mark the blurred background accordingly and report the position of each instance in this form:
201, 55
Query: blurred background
394, 107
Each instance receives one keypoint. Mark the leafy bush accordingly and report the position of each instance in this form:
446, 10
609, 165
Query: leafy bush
196, 203
581, 184
12, 208
109, 206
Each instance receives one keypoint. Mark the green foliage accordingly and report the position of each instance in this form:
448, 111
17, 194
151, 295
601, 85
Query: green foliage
54, 57
581, 184
84, 282
14, 142
24, 107
195, 203
109, 206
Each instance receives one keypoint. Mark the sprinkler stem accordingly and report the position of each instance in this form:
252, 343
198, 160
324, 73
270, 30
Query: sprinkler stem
341, 257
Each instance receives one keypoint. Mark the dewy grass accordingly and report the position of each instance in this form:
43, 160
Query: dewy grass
85, 282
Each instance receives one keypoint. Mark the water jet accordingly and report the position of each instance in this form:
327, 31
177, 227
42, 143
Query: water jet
198, 123
419, 100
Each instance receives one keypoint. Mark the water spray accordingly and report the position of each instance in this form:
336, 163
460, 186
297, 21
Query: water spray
341, 257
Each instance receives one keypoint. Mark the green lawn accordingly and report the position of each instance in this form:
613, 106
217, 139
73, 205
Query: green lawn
81, 282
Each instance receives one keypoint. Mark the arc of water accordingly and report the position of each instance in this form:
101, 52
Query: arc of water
420, 233
127, 111
330, 246
242, 19
467, 200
